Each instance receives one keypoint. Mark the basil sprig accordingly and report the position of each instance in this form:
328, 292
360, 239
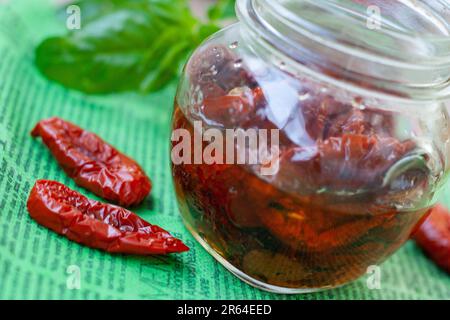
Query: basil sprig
137, 45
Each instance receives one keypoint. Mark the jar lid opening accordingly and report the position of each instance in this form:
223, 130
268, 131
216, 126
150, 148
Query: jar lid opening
401, 43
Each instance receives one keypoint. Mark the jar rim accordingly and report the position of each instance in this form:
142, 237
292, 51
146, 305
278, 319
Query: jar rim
337, 33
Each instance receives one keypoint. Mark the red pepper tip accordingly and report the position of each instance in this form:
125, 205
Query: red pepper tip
36, 130
180, 247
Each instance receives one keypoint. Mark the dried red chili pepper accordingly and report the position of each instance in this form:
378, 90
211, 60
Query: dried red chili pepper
433, 236
93, 163
95, 224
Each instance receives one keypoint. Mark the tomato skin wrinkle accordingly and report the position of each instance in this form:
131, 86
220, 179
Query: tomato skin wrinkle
96, 224
433, 236
94, 164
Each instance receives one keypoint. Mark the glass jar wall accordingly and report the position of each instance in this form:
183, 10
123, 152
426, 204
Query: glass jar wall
362, 137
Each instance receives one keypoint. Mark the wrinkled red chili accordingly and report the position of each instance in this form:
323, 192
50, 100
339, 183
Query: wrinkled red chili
95, 224
433, 236
93, 163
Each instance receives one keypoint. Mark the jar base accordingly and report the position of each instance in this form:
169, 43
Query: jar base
246, 278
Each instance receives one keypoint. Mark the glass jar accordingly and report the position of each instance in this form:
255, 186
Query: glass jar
352, 101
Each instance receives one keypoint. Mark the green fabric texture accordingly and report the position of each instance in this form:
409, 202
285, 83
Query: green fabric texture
34, 262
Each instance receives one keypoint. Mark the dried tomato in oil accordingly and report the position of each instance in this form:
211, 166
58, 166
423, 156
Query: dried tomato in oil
348, 190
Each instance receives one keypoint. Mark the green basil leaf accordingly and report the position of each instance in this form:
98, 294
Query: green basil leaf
92, 9
222, 9
126, 45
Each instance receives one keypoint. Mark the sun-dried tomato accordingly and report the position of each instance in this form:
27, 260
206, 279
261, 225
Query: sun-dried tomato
95, 224
433, 236
217, 70
93, 163
325, 117
236, 107
349, 162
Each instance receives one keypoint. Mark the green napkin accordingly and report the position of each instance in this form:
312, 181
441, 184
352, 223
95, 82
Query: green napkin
37, 263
